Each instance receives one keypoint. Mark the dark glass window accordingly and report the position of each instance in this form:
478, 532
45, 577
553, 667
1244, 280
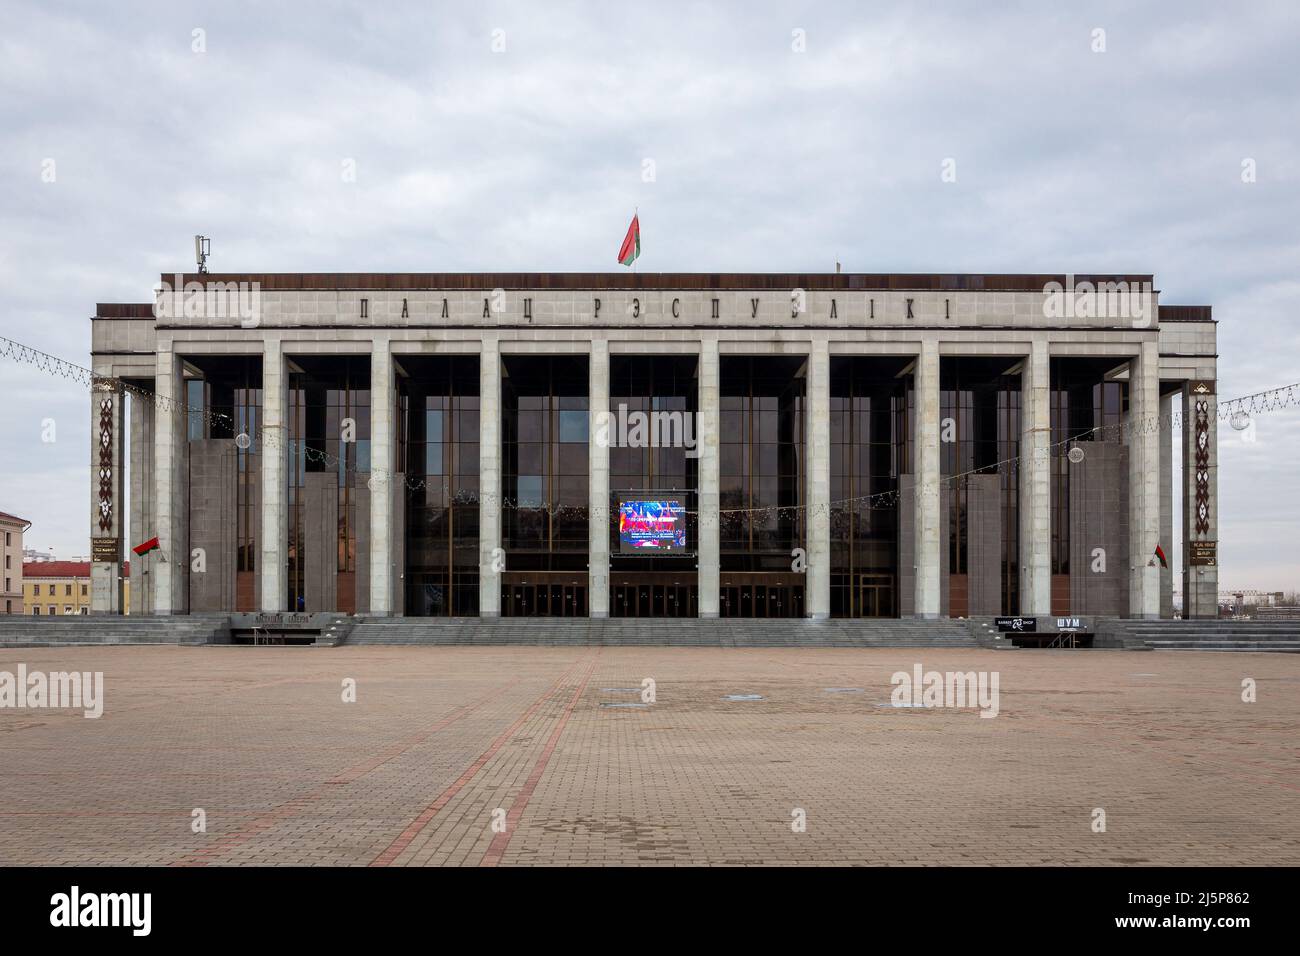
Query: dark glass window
868, 432
979, 430
329, 431
1084, 407
761, 462
665, 389
438, 449
545, 486
226, 402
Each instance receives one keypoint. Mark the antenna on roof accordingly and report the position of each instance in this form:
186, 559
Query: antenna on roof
837, 267
202, 249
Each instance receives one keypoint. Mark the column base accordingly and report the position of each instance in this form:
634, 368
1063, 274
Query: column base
708, 615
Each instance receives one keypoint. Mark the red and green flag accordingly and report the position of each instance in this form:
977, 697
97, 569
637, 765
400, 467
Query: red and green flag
1160, 553
147, 546
631, 247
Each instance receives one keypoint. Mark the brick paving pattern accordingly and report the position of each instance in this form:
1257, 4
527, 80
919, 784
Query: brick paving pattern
441, 739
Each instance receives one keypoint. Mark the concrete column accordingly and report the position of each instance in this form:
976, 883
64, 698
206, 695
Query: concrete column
598, 458
106, 496
818, 599
273, 539
927, 526
1035, 483
710, 580
490, 558
1168, 408
140, 527
167, 564
1200, 581
1143, 436
382, 466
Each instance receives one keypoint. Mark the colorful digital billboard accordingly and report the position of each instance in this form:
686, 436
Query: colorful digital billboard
651, 527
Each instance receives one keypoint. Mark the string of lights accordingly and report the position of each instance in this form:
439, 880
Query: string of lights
53, 365
1236, 411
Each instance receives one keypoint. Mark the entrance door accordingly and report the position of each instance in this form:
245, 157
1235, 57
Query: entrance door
521, 600
547, 600
875, 597
729, 602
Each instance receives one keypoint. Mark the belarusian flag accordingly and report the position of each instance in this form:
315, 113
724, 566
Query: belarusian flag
146, 547
1160, 553
631, 247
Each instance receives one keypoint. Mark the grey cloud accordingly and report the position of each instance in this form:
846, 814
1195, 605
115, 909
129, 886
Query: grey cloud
766, 160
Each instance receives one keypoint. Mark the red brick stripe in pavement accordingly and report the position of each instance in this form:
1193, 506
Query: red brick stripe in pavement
417, 825
502, 840
286, 810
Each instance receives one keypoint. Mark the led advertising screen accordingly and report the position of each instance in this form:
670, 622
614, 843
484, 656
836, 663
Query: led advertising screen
651, 527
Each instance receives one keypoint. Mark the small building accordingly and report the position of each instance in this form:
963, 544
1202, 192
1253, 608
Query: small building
63, 587
14, 528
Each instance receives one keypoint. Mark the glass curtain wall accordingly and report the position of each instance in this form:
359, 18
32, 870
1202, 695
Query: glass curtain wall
438, 453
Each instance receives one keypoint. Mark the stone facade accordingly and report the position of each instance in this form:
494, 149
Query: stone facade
931, 318
211, 541
12, 529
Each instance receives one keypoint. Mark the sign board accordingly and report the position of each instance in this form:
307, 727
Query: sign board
277, 617
106, 549
1070, 624
1204, 553
1017, 625
651, 526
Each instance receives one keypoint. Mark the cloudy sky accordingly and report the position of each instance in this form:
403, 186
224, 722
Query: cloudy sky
530, 156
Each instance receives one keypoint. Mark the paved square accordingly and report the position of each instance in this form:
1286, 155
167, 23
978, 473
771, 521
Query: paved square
443, 742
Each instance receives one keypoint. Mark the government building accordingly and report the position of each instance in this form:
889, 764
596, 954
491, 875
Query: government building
653, 445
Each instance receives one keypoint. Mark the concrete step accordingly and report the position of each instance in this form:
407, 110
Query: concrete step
1274, 647
664, 632
1209, 634
43, 631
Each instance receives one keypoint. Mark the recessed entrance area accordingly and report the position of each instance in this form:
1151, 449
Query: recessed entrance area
543, 595
761, 595
653, 595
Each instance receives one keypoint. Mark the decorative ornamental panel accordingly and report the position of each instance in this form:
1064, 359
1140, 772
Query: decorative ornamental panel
106, 463
1202, 439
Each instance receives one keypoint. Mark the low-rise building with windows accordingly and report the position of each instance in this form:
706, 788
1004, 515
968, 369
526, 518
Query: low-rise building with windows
63, 587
